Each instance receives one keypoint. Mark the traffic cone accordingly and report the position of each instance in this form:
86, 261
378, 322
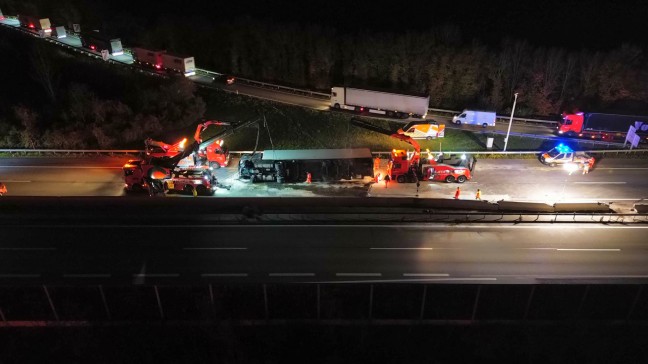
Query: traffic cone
309, 177
457, 193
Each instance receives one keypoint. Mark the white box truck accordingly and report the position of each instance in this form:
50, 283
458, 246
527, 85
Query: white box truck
59, 32
380, 102
475, 117
178, 63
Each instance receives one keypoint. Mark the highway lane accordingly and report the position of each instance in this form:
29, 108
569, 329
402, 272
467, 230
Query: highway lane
503, 254
622, 181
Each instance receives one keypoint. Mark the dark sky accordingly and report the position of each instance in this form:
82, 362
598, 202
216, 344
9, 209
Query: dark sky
564, 23
594, 24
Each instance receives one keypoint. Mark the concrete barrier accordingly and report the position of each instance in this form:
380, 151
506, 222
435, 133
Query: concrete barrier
582, 207
511, 206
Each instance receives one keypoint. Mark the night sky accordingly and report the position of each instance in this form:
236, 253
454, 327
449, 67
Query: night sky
570, 24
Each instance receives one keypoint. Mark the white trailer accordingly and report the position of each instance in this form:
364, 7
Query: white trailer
148, 57
380, 102
178, 63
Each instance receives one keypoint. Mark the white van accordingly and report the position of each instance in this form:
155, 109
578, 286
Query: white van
423, 130
473, 117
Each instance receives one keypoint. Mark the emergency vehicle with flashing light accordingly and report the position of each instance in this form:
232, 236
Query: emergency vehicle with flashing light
563, 154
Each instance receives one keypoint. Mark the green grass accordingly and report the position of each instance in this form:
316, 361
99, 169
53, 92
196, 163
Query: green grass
292, 127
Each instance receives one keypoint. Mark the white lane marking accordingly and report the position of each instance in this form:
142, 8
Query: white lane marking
600, 183
27, 248
15, 181
422, 280
400, 226
589, 250
401, 248
150, 275
358, 274
558, 276
426, 274
63, 167
292, 274
224, 275
86, 275
20, 275
223, 248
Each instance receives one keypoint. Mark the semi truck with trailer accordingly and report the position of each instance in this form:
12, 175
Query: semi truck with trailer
380, 102
97, 41
35, 23
59, 32
291, 166
184, 65
148, 57
607, 127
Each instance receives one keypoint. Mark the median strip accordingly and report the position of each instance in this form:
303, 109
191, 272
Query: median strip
358, 274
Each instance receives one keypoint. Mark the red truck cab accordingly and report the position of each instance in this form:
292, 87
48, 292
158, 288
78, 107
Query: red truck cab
571, 125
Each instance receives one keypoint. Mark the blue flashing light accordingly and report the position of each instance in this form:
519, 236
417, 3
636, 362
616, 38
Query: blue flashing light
563, 148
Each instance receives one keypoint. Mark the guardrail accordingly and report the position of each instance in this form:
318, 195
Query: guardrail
500, 118
266, 85
112, 152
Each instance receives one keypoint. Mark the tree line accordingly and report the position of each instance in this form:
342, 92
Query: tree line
457, 73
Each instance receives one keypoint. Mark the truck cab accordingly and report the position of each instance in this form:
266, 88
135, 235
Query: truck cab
571, 125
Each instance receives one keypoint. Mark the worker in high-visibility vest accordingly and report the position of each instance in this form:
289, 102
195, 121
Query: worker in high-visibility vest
377, 178
478, 195
377, 163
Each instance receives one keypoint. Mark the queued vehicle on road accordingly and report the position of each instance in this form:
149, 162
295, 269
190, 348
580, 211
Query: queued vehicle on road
98, 41
607, 127
475, 117
35, 23
380, 102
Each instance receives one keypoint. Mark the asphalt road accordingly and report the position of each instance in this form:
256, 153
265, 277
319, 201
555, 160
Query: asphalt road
71, 253
621, 181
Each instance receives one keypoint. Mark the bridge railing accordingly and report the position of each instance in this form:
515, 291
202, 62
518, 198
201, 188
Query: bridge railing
126, 152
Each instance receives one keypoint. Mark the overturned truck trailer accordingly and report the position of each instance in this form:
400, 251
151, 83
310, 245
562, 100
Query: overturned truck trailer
293, 165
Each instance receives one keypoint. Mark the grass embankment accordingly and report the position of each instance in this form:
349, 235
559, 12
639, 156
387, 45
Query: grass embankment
292, 127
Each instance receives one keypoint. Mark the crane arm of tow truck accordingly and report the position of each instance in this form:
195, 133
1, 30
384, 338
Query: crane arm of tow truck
234, 127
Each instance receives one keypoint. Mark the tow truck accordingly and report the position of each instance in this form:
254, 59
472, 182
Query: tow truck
190, 180
406, 166
212, 153
150, 173
562, 154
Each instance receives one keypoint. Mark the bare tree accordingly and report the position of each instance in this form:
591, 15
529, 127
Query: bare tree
44, 71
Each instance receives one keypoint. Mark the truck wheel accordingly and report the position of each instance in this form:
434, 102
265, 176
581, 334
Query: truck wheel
336, 106
187, 189
461, 179
449, 179
400, 179
429, 138
202, 191
214, 165
484, 125
458, 122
